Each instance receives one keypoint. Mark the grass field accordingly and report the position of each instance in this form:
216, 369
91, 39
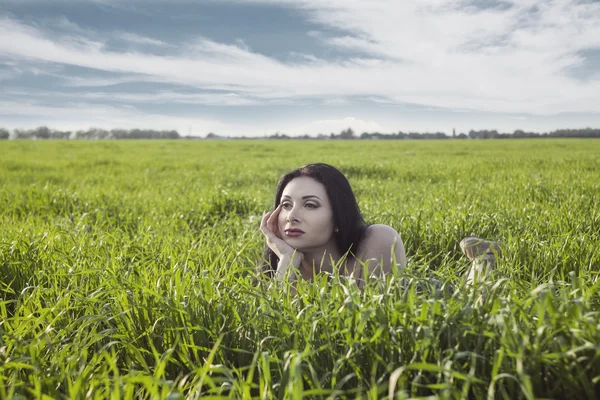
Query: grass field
126, 270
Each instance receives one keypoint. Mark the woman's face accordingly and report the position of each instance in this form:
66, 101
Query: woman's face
306, 217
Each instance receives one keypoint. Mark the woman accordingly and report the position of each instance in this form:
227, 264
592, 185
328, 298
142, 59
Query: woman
316, 226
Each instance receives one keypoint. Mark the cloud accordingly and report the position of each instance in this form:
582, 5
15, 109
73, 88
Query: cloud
438, 53
76, 81
29, 114
66, 26
138, 39
335, 102
159, 97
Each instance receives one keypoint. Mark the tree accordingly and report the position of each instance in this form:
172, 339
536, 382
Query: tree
173, 134
347, 134
22, 134
4, 134
42, 132
60, 134
119, 133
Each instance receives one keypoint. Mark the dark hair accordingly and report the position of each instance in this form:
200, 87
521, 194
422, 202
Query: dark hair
346, 214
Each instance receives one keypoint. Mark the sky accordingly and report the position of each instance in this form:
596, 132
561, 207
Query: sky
257, 67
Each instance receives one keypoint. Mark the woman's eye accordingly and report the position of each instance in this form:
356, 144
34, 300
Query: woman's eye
286, 205
311, 205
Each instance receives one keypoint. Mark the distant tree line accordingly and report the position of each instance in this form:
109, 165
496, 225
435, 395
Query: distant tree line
44, 132
348, 134
560, 133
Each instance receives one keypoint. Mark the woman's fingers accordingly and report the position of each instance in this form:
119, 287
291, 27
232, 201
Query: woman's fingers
264, 224
266, 227
263, 220
273, 221
269, 226
276, 222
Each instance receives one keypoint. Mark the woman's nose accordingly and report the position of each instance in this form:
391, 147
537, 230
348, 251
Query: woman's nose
292, 215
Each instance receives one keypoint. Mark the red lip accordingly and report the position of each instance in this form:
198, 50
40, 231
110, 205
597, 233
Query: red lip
294, 232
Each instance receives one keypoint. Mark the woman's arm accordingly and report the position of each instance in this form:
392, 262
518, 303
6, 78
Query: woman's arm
380, 247
288, 256
287, 262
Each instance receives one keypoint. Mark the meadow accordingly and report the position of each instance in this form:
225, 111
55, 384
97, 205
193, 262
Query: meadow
128, 270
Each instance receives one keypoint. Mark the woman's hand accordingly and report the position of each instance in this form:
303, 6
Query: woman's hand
287, 255
269, 226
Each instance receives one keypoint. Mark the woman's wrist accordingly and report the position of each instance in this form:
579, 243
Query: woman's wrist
286, 262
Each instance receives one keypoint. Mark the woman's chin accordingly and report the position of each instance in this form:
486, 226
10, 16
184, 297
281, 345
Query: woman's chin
291, 242
294, 244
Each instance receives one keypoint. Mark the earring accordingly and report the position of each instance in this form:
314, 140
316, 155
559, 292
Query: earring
336, 230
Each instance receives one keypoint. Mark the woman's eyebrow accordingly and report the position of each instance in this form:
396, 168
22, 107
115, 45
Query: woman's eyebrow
308, 196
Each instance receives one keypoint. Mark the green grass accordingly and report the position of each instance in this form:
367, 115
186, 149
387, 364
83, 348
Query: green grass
126, 270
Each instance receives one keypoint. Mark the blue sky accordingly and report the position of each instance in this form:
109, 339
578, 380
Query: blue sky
255, 67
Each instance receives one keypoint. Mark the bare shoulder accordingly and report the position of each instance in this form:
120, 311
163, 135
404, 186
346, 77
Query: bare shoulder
380, 247
381, 241
380, 232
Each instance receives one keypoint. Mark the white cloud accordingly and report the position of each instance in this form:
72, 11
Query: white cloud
435, 53
138, 39
70, 117
335, 102
159, 97
76, 81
